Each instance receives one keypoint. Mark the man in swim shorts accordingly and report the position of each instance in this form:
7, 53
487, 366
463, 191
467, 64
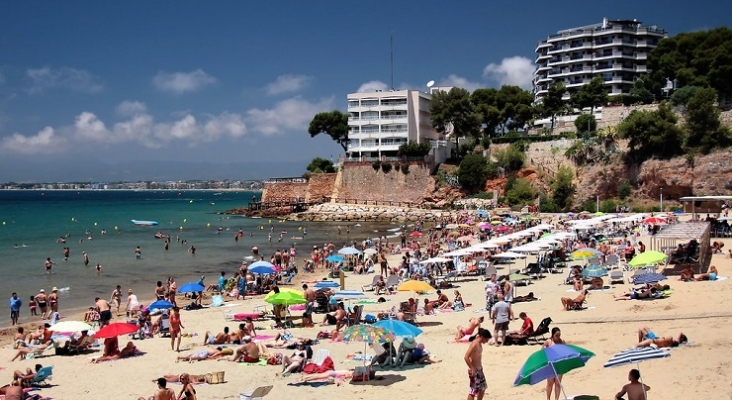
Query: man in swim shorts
474, 359
249, 352
105, 312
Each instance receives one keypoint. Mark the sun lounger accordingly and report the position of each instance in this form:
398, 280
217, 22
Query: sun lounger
372, 286
617, 276
539, 333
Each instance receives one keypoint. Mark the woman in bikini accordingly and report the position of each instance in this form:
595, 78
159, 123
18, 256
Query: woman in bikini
293, 362
468, 330
175, 328
163, 393
334, 374
188, 392
554, 383
709, 276
53, 300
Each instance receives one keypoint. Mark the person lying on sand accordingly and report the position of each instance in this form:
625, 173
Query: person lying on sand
646, 338
328, 375
128, 351
639, 295
596, 284
709, 276
524, 299
209, 353
220, 338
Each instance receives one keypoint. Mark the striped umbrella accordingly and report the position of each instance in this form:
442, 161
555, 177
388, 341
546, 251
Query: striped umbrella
635, 356
651, 277
349, 295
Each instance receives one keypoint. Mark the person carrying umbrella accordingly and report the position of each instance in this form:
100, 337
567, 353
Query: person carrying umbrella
474, 359
635, 390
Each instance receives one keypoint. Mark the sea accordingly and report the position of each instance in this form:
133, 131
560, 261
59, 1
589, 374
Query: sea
32, 222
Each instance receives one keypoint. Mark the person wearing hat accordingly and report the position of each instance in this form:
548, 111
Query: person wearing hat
405, 348
42, 301
53, 300
133, 305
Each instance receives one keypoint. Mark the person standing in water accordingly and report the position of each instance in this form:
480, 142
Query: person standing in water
86, 258
48, 264
138, 253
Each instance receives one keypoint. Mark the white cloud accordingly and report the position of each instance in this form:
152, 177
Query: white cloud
225, 124
44, 142
128, 108
88, 127
458, 81
517, 71
288, 84
290, 114
372, 86
74, 79
182, 82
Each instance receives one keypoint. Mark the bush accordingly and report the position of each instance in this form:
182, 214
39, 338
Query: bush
320, 165
521, 193
562, 188
589, 205
414, 149
510, 159
585, 123
386, 167
473, 172
532, 138
546, 204
376, 165
483, 195
608, 206
624, 190
405, 168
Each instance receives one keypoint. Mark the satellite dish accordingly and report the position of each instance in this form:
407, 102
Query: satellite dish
430, 84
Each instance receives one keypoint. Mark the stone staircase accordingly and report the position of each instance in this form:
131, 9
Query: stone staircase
336, 185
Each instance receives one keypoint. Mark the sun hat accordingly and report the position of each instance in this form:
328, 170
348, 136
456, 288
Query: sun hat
55, 289
409, 342
43, 291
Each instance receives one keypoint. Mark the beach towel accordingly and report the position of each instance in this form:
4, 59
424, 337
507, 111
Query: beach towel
312, 383
262, 362
374, 301
362, 357
721, 278
263, 337
313, 368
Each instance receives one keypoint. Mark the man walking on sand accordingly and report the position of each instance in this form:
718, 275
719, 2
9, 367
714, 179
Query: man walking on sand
474, 359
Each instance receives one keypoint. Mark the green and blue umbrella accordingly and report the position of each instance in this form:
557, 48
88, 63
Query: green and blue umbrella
550, 362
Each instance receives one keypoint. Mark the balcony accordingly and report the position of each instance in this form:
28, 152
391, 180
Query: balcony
541, 57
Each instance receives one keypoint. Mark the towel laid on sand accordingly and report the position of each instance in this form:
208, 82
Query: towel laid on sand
311, 383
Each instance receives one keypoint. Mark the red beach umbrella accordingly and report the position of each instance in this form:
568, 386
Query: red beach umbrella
416, 234
116, 329
654, 221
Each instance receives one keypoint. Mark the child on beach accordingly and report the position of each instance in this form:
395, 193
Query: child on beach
33, 306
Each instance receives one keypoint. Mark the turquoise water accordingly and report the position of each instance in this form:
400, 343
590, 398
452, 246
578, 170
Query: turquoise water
34, 220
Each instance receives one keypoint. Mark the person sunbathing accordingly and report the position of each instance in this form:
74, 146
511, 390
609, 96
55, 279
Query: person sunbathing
220, 338
523, 299
24, 351
23, 378
687, 275
249, 352
209, 353
596, 284
666, 341
328, 375
578, 283
709, 276
572, 304
194, 379
638, 294
128, 351
293, 362
468, 330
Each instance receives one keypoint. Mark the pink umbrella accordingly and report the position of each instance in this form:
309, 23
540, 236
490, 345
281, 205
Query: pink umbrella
485, 226
469, 222
502, 228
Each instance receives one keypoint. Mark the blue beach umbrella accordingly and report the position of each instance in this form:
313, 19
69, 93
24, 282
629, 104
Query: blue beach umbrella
260, 264
652, 277
594, 271
327, 285
399, 328
334, 258
160, 305
261, 270
635, 356
551, 362
191, 287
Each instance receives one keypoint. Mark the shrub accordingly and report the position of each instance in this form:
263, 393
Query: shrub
562, 188
386, 167
608, 206
546, 204
510, 159
473, 172
405, 168
320, 165
483, 195
521, 193
376, 165
624, 190
414, 149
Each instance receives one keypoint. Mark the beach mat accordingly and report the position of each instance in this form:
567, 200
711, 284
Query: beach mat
262, 362
311, 384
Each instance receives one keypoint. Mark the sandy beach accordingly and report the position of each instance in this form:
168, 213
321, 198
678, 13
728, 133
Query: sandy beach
700, 369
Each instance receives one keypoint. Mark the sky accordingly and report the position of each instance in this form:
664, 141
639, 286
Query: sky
102, 90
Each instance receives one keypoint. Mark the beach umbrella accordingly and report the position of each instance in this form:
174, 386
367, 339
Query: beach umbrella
636, 356
70, 326
551, 362
482, 213
509, 254
470, 222
546, 235
191, 287
502, 228
367, 334
261, 270
369, 252
647, 258
260, 263
454, 234
160, 305
415, 234
349, 295
327, 285
654, 221
599, 214
485, 226
399, 328
594, 271
451, 226
464, 238
435, 260
334, 259
283, 289
349, 251
585, 254
496, 222
286, 299
652, 277
116, 329
413, 285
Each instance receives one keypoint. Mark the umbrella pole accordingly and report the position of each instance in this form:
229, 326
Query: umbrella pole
643, 385
556, 376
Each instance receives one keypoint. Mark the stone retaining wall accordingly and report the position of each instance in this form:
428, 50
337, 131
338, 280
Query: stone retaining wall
346, 212
320, 185
284, 191
364, 183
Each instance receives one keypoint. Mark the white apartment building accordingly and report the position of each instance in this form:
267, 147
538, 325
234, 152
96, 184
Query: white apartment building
379, 122
616, 50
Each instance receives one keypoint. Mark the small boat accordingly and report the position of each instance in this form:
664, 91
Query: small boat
144, 223
218, 194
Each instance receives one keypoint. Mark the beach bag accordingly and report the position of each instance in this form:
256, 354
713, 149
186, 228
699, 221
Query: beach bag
363, 374
369, 318
215, 377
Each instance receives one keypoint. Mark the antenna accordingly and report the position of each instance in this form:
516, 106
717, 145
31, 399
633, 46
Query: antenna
392, 59
430, 84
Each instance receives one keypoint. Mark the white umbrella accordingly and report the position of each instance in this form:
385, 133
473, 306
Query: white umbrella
70, 326
349, 251
508, 254
451, 226
458, 253
369, 252
435, 260
489, 245
349, 295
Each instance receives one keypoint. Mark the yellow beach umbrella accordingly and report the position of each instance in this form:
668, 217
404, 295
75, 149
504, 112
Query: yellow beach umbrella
414, 286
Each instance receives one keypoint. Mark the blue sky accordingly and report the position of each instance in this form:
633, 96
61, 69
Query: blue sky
96, 85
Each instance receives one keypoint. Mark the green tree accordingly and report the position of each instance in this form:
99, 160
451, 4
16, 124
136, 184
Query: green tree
453, 113
640, 94
509, 107
608, 206
592, 94
552, 102
319, 165
334, 124
563, 187
702, 122
585, 124
682, 96
414, 149
652, 133
521, 192
510, 159
473, 172
547, 205
624, 190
